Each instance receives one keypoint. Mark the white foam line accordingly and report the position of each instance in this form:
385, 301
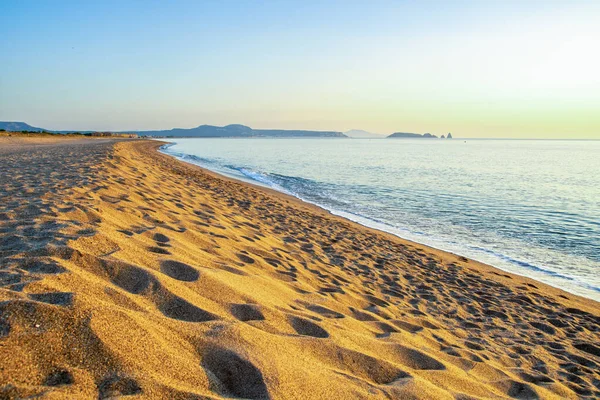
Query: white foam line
399, 232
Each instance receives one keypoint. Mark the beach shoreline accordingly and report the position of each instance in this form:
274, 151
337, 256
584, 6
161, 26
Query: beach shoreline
331, 213
172, 277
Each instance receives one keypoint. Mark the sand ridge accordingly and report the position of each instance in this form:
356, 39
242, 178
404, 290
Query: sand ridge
127, 273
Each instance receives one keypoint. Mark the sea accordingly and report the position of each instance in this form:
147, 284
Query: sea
530, 207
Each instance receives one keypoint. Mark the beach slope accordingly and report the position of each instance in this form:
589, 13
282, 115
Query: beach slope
126, 272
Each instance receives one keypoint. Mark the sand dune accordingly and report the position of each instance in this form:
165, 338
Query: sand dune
126, 273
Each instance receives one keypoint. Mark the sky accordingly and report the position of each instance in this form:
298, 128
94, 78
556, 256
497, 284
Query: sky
521, 69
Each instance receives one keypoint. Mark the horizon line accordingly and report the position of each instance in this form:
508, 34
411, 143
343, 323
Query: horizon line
383, 135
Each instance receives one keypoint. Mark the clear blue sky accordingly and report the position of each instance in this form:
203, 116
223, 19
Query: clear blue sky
475, 68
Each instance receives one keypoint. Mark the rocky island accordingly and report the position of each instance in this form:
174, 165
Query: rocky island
407, 135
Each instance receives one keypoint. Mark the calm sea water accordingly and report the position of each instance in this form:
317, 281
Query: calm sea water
529, 207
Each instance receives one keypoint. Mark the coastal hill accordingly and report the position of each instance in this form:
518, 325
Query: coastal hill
18, 127
13, 126
234, 130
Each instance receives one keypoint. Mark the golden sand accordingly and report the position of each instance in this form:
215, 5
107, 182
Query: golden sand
126, 272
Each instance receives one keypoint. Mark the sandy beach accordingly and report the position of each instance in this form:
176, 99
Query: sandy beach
124, 272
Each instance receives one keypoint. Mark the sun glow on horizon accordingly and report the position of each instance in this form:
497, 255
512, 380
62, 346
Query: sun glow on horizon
471, 68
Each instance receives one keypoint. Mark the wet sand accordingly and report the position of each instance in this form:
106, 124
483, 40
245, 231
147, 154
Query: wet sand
126, 272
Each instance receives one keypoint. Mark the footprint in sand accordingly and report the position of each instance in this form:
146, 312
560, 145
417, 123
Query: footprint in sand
386, 329
588, 348
158, 250
247, 312
178, 308
517, 390
364, 366
59, 377
128, 277
324, 311
136, 280
305, 327
245, 259
234, 376
414, 358
117, 386
160, 238
4, 328
42, 267
64, 299
178, 270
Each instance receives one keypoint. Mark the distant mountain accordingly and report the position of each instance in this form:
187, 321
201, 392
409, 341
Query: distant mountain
360, 134
236, 130
406, 135
18, 127
10, 126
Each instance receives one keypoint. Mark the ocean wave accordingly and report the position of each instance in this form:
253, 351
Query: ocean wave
263, 178
326, 196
